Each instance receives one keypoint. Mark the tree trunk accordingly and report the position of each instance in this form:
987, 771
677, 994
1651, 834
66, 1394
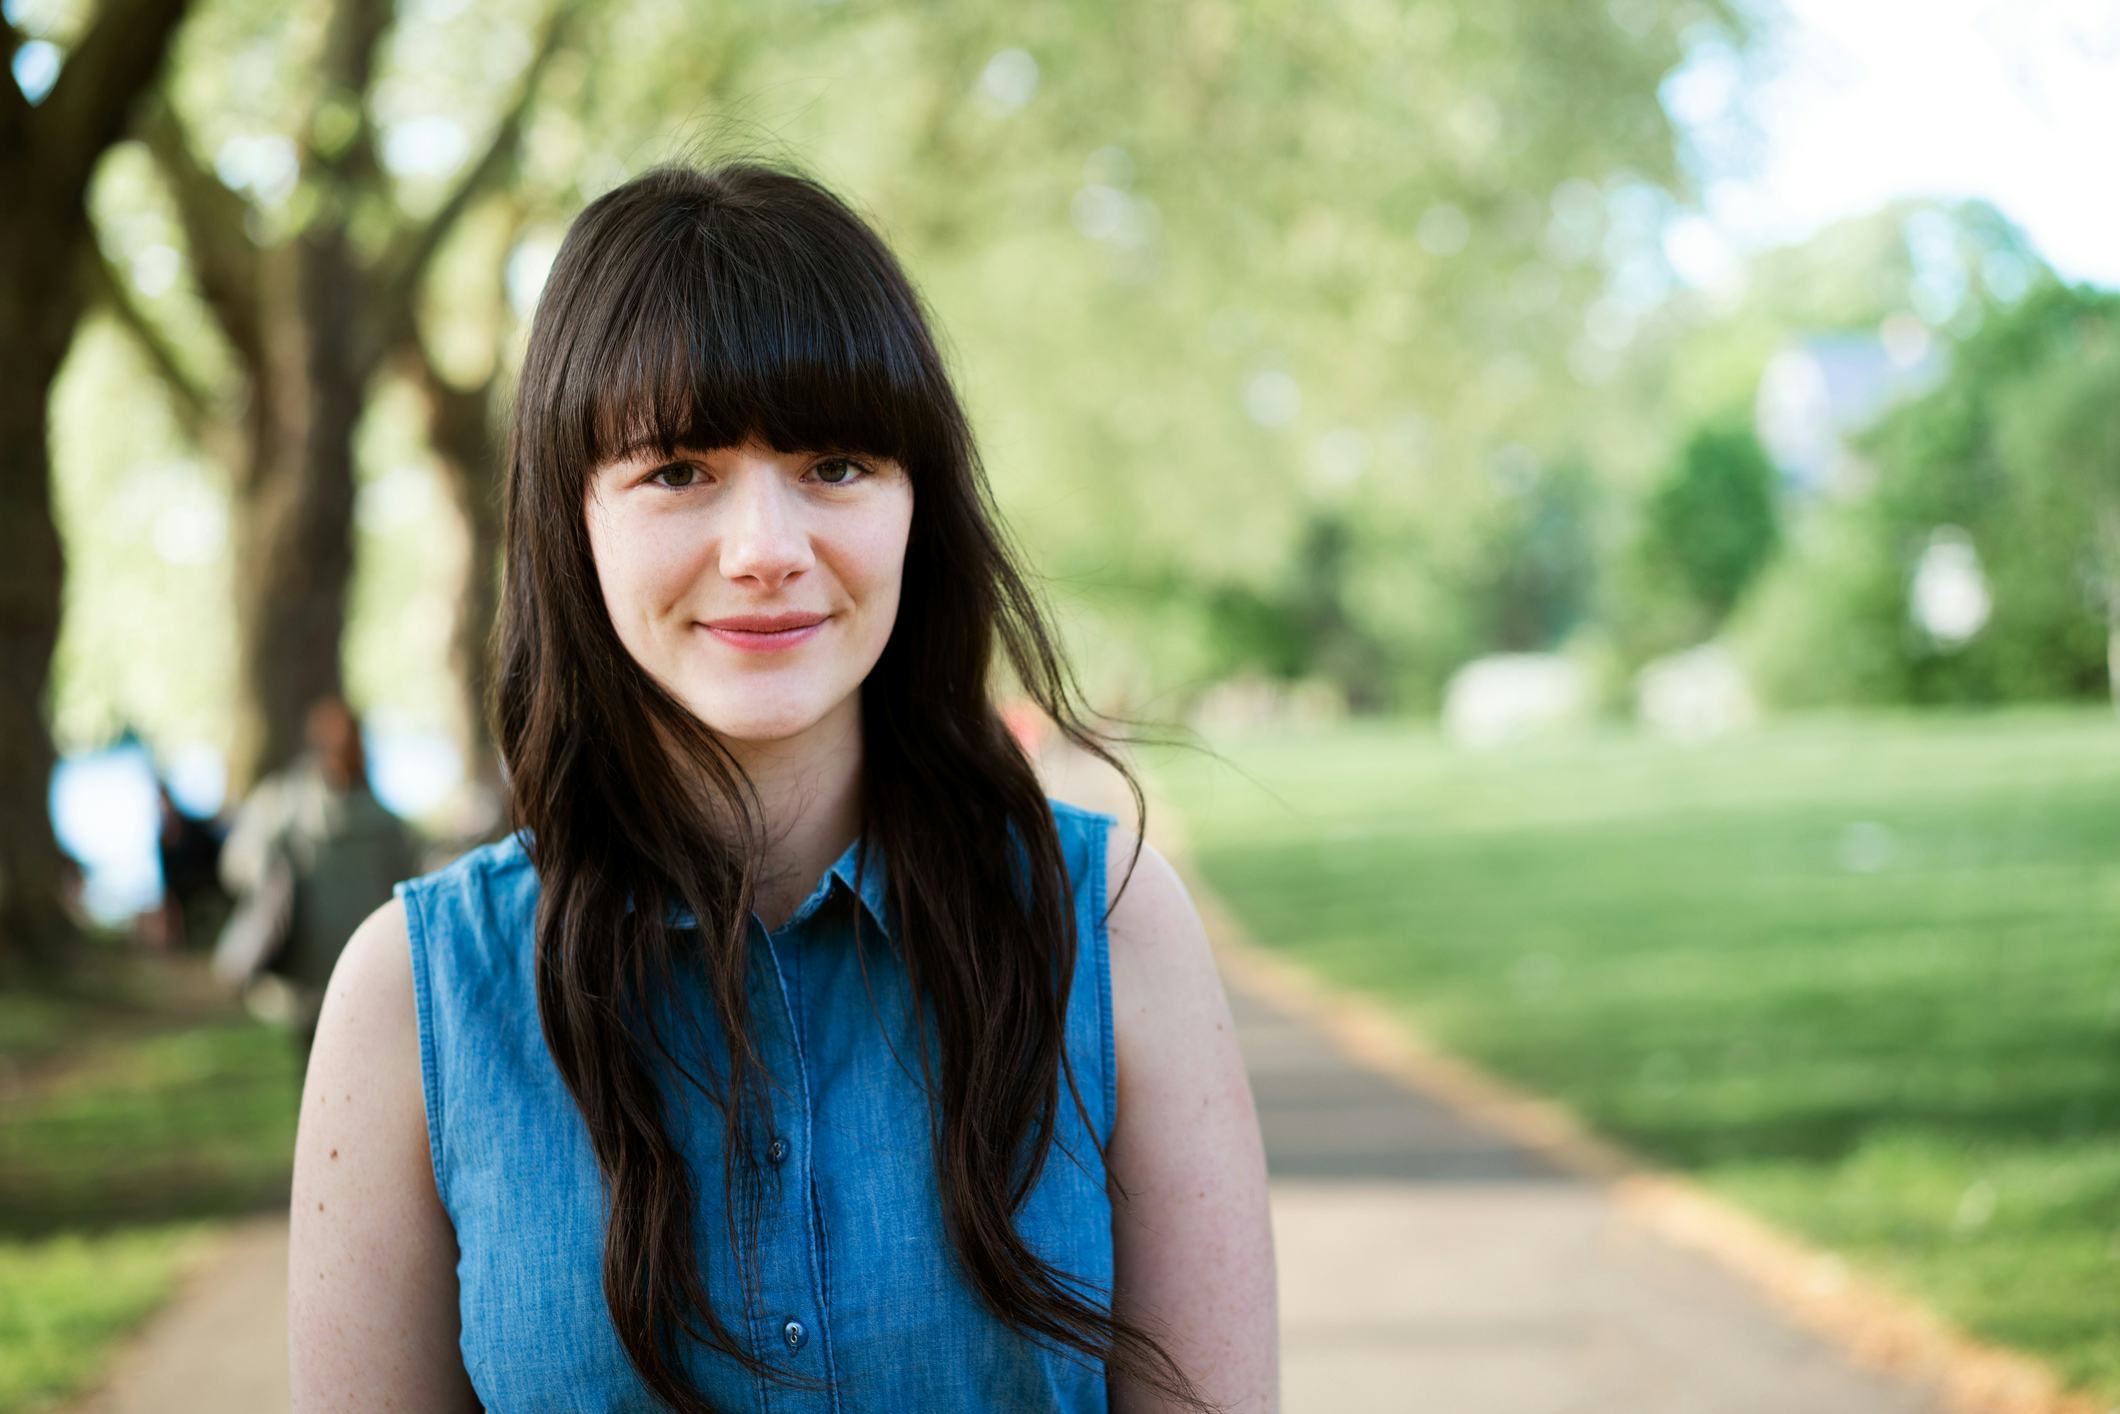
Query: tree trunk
46, 156
309, 320
460, 428
39, 315
293, 511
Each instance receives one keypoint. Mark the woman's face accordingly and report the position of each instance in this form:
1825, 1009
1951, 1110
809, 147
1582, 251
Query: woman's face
685, 546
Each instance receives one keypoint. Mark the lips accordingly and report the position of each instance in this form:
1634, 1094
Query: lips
766, 623
779, 632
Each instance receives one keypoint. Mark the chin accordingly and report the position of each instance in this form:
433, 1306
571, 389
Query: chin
754, 725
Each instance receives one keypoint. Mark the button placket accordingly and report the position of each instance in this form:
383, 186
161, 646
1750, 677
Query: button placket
795, 1330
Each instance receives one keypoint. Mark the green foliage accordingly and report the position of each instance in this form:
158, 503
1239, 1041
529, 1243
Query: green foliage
2018, 446
1702, 352
1855, 972
1701, 355
1540, 569
1826, 625
1713, 523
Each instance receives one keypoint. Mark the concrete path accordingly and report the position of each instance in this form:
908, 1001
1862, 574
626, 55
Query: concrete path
220, 1345
1428, 1262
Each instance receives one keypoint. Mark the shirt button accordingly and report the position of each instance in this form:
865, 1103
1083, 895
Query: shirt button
794, 1334
777, 1150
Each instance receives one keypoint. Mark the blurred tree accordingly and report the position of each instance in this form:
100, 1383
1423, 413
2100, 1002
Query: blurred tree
50, 142
310, 300
1340, 247
2015, 454
463, 427
1702, 352
2064, 430
1713, 523
1539, 573
1335, 644
2006, 450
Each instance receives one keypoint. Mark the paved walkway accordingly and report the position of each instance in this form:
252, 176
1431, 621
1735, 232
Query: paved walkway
1427, 1262
220, 1345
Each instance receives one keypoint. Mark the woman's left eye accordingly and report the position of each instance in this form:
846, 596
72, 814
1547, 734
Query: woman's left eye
853, 470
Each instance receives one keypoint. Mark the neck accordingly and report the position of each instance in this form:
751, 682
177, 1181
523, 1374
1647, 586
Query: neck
810, 787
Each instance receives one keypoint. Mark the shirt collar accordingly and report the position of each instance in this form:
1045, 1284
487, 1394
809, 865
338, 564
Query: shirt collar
872, 890
873, 887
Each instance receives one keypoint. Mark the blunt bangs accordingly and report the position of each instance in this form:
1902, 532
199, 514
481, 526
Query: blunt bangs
710, 321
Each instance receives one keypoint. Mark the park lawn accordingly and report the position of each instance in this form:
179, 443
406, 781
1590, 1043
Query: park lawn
1860, 973
119, 1156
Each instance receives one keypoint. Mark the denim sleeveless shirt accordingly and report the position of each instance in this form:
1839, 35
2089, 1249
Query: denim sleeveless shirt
859, 1283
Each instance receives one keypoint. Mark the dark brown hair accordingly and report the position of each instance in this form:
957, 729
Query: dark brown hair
701, 308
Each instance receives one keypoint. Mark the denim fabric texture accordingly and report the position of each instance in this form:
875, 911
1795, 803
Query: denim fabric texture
858, 1281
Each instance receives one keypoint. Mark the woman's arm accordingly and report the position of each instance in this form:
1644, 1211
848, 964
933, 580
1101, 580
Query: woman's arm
1193, 1249
371, 1305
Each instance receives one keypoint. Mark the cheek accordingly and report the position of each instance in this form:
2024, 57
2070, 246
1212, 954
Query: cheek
882, 545
643, 569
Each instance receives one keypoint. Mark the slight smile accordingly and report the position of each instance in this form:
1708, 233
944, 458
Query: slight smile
751, 636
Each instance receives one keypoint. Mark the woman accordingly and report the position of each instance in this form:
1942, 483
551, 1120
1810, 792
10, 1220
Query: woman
622, 1112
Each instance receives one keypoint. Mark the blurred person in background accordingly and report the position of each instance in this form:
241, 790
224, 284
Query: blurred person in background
188, 850
343, 849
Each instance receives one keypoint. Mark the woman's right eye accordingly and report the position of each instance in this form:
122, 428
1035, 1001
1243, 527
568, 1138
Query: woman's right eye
677, 475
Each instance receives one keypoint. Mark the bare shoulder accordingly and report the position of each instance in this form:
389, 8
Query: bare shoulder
1150, 906
372, 1294
1167, 994
367, 1051
371, 997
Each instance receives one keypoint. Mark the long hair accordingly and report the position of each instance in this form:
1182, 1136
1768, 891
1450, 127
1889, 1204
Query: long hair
701, 308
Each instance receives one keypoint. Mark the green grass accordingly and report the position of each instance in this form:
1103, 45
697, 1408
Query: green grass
66, 1300
1860, 973
118, 1154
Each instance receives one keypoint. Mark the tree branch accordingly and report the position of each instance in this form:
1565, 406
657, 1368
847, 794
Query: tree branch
87, 109
192, 404
215, 222
348, 67
408, 258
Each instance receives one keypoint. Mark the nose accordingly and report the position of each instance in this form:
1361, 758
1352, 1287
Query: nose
764, 537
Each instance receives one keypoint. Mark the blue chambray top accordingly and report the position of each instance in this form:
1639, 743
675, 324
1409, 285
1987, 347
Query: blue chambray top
858, 1281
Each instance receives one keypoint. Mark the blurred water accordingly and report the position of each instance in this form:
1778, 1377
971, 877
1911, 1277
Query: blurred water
104, 811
